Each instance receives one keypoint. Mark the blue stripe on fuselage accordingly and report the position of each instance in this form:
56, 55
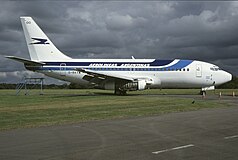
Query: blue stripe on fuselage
179, 65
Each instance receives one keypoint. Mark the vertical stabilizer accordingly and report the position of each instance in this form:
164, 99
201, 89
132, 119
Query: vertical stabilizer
39, 45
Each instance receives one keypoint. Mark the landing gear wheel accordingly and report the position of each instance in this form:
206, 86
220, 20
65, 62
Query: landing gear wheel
123, 93
202, 92
120, 92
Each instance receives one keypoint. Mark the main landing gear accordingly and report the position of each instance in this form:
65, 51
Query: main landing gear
120, 92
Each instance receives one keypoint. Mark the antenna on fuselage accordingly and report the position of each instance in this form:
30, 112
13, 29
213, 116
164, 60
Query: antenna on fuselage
132, 57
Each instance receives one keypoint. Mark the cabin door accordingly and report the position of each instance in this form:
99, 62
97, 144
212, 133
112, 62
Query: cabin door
62, 69
199, 70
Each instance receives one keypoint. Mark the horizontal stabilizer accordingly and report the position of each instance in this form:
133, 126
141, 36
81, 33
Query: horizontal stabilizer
25, 61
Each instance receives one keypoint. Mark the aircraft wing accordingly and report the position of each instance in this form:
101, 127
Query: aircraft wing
94, 76
25, 61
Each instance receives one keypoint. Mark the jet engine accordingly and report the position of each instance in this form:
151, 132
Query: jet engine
131, 86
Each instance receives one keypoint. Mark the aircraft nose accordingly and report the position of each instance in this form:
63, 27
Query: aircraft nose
228, 76
222, 77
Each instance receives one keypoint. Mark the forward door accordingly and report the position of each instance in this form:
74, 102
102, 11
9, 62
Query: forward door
199, 70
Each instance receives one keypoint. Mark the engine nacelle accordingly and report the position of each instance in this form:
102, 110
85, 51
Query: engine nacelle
132, 86
141, 85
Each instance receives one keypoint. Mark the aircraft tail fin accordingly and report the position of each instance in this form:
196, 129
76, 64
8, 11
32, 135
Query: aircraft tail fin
39, 45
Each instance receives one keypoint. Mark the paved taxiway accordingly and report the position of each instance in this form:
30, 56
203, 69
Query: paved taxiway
205, 134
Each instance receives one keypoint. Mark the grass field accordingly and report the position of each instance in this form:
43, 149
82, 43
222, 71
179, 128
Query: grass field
70, 106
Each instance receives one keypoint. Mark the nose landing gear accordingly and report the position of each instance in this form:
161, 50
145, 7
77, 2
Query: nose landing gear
202, 92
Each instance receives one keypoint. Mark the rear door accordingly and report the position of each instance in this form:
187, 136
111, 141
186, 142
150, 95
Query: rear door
62, 69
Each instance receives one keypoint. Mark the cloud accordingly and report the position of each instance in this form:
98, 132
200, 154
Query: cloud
115, 21
11, 77
18, 77
3, 75
156, 29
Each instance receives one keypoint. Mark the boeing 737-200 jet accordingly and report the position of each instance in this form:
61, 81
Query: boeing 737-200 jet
120, 75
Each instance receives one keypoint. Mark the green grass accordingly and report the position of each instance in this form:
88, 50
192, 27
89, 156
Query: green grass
70, 106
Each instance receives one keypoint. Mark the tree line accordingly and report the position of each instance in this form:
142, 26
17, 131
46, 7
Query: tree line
45, 86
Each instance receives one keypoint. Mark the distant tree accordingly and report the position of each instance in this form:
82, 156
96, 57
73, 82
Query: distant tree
7, 86
233, 84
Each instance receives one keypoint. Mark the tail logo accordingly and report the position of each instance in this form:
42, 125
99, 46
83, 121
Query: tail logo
39, 41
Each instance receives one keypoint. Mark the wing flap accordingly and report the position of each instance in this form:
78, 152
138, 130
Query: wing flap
103, 76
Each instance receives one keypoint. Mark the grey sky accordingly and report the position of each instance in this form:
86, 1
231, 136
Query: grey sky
204, 31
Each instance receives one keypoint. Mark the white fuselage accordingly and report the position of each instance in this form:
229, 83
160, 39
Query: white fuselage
169, 74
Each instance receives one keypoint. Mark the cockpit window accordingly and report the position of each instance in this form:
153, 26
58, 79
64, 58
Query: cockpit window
214, 68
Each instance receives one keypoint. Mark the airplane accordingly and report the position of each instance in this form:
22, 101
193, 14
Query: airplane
120, 75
